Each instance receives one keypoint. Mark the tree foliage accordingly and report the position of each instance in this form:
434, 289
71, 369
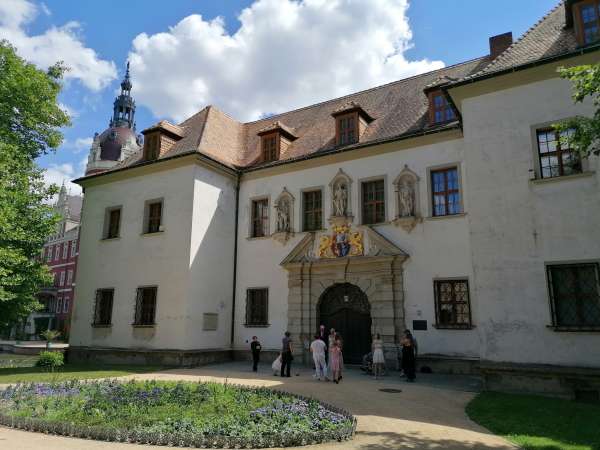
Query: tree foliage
30, 118
585, 138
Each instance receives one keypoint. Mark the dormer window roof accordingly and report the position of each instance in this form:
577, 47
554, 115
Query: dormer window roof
585, 16
159, 138
350, 122
274, 139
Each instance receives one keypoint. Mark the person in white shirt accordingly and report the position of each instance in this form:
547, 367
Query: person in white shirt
318, 348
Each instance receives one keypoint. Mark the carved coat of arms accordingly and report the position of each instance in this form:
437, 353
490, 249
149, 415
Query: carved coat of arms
342, 242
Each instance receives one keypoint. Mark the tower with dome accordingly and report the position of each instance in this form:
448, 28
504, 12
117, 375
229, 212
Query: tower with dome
119, 140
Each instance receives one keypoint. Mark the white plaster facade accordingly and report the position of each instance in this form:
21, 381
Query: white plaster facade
511, 226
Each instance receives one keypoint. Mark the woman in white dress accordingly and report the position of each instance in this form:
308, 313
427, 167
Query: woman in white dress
378, 359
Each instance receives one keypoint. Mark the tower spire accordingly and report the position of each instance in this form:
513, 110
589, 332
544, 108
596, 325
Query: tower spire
124, 105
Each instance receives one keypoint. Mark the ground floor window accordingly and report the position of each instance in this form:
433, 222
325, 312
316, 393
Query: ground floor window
145, 306
575, 294
452, 305
257, 302
103, 307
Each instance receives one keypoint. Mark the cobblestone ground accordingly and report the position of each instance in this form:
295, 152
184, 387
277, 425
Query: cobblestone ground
428, 414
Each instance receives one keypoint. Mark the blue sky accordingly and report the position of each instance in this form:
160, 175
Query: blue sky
281, 55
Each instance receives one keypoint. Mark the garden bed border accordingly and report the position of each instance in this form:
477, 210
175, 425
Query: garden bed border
184, 439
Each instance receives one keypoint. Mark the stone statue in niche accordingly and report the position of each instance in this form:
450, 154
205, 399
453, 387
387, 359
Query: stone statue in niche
283, 216
406, 197
340, 200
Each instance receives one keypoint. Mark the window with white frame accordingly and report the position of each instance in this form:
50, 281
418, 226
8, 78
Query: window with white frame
62, 278
49, 254
73, 248
69, 277
59, 305
65, 250
66, 302
57, 252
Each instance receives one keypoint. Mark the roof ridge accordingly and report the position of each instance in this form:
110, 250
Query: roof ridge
502, 56
402, 80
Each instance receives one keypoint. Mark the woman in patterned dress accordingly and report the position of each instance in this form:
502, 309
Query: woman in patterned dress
378, 359
335, 355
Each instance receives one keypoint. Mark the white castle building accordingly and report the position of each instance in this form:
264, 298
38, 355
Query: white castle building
442, 203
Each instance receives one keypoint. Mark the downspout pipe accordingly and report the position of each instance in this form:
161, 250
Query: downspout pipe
235, 254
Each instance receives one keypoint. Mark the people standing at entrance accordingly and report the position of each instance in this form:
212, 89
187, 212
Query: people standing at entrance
335, 360
317, 348
340, 344
378, 359
330, 341
409, 355
255, 347
286, 355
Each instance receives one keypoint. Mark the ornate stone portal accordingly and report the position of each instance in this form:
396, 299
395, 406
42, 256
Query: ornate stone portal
372, 264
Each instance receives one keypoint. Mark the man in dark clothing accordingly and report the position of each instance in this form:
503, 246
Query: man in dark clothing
286, 355
255, 347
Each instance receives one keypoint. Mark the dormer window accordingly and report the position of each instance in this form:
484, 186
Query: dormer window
160, 138
351, 120
270, 147
347, 132
586, 15
274, 141
440, 111
151, 146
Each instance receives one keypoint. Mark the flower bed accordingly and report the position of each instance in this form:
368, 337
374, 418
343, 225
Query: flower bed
203, 415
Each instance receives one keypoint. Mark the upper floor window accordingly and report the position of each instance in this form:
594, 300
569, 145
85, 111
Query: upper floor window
555, 161
257, 307
112, 222
152, 146
270, 147
312, 213
260, 218
59, 305
587, 21
440, 110
49, 254
153, 216
373, 202
145, 306
57, 252
103, 307
445, 192
69, 277
73, 248
65, 250
452, 305
347, 128
62, 278
575, 294
66, 304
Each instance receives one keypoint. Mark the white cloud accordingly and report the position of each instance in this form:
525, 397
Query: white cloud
286, 54
70, 111
65, 173
55, 44
81, 144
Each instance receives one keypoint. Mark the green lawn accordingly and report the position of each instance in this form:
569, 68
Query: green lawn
70, 372
538, 423
12, 360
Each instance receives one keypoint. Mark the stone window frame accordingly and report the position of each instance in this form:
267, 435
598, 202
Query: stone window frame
386, 198
439, 326
62, 278
146, 219
251, 201
70, 277
106, 227
320, 188
551, 301
535, 155
65, 250
73, 248
266, 323
461, 190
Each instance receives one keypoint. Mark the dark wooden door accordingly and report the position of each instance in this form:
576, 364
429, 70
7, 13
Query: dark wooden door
346, 308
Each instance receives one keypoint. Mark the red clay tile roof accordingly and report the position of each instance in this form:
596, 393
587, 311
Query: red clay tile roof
399, 108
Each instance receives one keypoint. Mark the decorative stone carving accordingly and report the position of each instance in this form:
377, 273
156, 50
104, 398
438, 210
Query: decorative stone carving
407, 199
341, 195
284, 213
342, 242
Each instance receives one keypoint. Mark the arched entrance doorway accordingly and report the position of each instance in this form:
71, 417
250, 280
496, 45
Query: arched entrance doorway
346, 308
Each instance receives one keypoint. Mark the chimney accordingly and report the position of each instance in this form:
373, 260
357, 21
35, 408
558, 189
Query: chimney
500, 43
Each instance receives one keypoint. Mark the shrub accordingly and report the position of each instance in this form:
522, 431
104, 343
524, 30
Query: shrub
50, 360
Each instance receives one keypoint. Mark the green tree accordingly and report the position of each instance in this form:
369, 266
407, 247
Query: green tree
585, 136
30, 119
